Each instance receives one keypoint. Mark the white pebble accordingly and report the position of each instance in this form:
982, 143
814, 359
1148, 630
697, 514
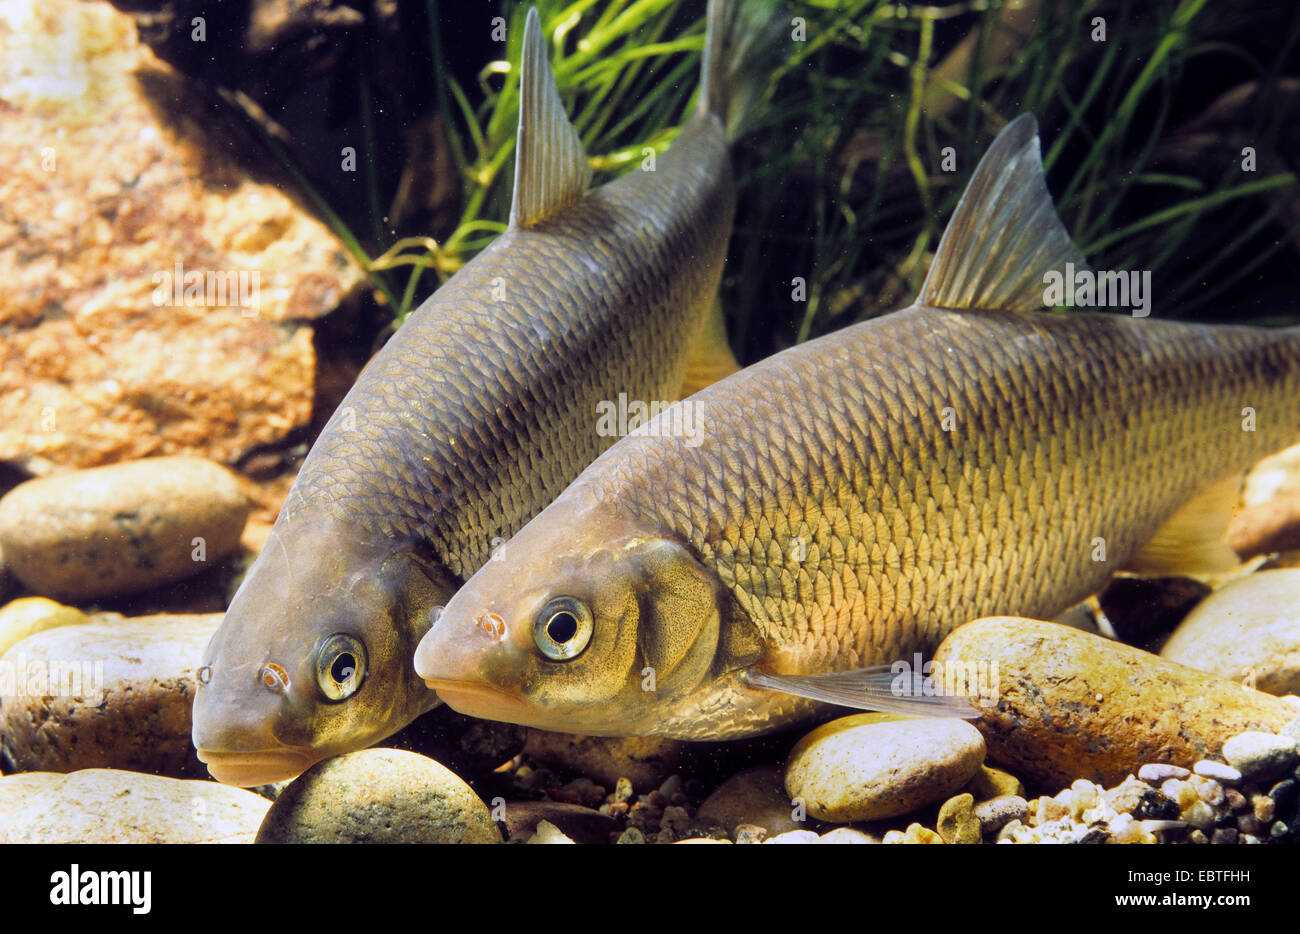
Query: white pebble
1158, 772
1218, 771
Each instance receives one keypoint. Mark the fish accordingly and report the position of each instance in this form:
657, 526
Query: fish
842, 505
472, 418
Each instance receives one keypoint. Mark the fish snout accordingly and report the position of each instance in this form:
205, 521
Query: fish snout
473, 661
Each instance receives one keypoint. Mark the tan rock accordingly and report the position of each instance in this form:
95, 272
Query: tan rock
645, 760
111, 806
876, 765
121, 529
30, 615
993, 783
379, 796
957, 822
756, 796
112, 694
1073, 705
100, 362
1248, 629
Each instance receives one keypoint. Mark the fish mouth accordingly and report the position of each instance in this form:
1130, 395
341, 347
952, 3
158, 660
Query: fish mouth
476, 699
247, 769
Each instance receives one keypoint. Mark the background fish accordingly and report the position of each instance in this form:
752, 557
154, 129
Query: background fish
849, 501
472, 418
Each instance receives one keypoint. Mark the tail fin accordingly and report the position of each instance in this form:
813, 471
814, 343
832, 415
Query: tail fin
742, 45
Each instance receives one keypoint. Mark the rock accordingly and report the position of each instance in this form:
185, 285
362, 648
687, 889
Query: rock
794, 836
994, 783
631, 835
1071, 705
1248, 628
549, 833
379, 796
957, 821
30, 615
1270, 518
846, 835
121, 529
755, 796
582, 825
1157, 772
996, 813
111, 806
915, 833
100, 361
646, 761
107, 694
1260, 757
1217, 771
750, 833
875, 765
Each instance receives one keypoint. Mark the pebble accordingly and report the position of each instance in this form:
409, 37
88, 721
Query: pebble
996, 813
1246, 628
622, 791
631, 835
379, 796
645, 761
874, 765
121, 529
1048, 726
957, 822
1260, 756
549, 833
114, 693
749, 833
994, 783
1224, 835
1199, 814
1218, 771
581, 824
846, 835
915, 833
114, 806
1159, 772
794, 836
755, 796
29, 615
702, 840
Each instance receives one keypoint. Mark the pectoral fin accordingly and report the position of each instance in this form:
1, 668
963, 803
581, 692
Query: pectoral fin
1192, 542
1005, 235
878, 688
551, 168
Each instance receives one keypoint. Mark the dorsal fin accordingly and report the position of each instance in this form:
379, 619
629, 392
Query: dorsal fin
551, 169
1004, 234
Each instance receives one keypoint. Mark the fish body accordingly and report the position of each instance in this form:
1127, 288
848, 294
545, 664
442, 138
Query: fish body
848, 502
473, 417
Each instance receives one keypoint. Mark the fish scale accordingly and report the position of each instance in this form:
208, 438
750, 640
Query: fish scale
447, 467
1033, 476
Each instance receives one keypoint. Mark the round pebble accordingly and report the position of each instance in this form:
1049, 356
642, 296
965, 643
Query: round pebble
957, 822
379, 796
996, 813
1247, 629
1260, 756
29, 615
121, 529
1217, 771
872, 766
755, 796
114, 806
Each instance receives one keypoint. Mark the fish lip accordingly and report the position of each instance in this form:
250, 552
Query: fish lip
248, 768
472, 697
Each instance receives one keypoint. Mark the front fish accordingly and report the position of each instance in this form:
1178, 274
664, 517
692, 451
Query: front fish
473, 417
848, 502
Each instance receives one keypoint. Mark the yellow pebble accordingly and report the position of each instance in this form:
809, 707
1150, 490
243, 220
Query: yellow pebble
29, 615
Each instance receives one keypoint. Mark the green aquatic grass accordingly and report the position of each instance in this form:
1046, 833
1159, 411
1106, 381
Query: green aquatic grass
840, 177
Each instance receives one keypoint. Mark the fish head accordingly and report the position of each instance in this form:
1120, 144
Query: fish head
585, 624
313, 656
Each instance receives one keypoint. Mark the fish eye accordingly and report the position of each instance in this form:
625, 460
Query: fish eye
340, 666
563, 628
